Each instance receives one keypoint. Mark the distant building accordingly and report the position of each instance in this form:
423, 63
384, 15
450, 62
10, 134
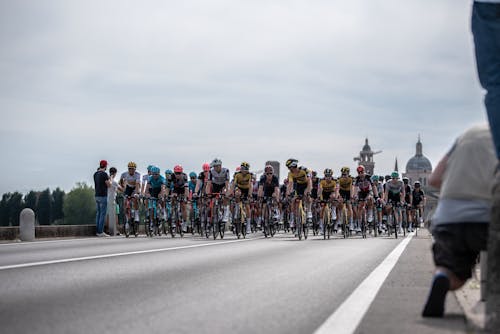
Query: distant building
419, 167
365, 158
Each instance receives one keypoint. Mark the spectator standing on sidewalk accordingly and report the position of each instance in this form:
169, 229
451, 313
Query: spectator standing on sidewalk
485, 24
460, 224
111, 209
101, 184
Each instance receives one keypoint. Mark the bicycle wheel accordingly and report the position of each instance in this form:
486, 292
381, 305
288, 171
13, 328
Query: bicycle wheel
126, 226
298, 226
305, 228
265, 220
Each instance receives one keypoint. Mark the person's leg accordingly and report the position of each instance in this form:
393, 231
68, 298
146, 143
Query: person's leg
485, 24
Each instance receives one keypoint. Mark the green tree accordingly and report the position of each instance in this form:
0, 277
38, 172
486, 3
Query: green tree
44, 207
79, 205
4, 210
30, 200
16, 204
57, 205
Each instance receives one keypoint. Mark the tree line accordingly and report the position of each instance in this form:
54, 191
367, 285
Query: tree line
51, 207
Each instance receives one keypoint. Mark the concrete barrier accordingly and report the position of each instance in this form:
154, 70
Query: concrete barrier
50, 231
27, 225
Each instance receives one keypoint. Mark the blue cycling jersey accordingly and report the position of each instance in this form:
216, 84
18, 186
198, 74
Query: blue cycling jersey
156, 183
192, 186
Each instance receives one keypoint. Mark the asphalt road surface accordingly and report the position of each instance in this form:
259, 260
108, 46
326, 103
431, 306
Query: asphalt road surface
188, 285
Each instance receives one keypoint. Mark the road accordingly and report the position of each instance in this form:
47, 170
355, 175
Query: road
197, 285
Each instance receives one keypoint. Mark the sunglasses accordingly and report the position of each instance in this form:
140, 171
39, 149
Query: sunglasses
269, 173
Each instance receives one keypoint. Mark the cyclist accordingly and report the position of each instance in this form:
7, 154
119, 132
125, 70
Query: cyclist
299, 181
328, 191
180, 190
407, 203
345, 182
156, 185
131, 182
168, 180
418, 203
377, 183
269, 186
201, 182
218, 182
242, 187
364, 194
393, 196
145, 179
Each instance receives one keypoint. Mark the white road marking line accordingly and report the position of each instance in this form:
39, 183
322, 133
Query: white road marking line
349, 314
85, 258
25, 243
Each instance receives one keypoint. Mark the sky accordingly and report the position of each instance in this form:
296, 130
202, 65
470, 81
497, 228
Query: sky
183, 82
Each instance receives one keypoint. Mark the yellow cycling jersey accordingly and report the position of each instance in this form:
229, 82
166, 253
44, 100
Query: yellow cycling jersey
328, 186
345, 183
243, 181
300, 177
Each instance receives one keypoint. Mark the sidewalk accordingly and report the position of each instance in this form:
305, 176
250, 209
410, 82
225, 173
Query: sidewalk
398, 305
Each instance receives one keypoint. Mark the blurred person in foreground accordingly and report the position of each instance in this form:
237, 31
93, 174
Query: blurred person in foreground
460, 224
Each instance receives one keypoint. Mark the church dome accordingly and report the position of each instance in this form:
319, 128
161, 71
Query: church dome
419, 162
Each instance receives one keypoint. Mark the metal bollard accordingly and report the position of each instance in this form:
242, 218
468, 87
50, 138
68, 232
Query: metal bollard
27, 225
484, 261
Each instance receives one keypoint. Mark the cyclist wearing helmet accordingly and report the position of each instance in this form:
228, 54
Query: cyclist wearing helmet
299, 181
145, 179
377, 183
394, 195
328, 191
407, 203
269, 184
201, 183
168, 182
131, 182
418, 202
156, 183
179, 181
218, 182
242, 187
315, 184
346, 188
364, 193
192, 183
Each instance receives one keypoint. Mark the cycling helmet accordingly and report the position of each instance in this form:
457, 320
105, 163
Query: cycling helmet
168, 172
192, 174
290, 163
132, 164
238, 169
216, 162
149, 168
381, 178
245, 166
395, 175
314, 173
328, 172
406, 180
206, 167
360, 169
178, 169
387, 177
269, 169
417, 183
345, 170
374, 178
155, 170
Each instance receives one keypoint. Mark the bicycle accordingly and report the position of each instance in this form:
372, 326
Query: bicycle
216, 211
267, 210
301, 225
130, 225
239, 218
392, 223
344, 221
176, 223
362, 216
326, 213
153, 223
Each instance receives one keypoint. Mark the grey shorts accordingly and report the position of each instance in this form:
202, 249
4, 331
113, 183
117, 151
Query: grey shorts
456, 246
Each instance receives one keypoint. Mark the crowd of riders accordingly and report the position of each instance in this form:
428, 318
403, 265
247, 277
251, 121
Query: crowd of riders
373, 197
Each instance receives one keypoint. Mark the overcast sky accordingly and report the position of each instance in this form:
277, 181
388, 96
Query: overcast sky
168, 82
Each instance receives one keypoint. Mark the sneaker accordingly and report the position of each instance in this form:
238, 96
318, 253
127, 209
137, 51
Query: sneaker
436, 299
